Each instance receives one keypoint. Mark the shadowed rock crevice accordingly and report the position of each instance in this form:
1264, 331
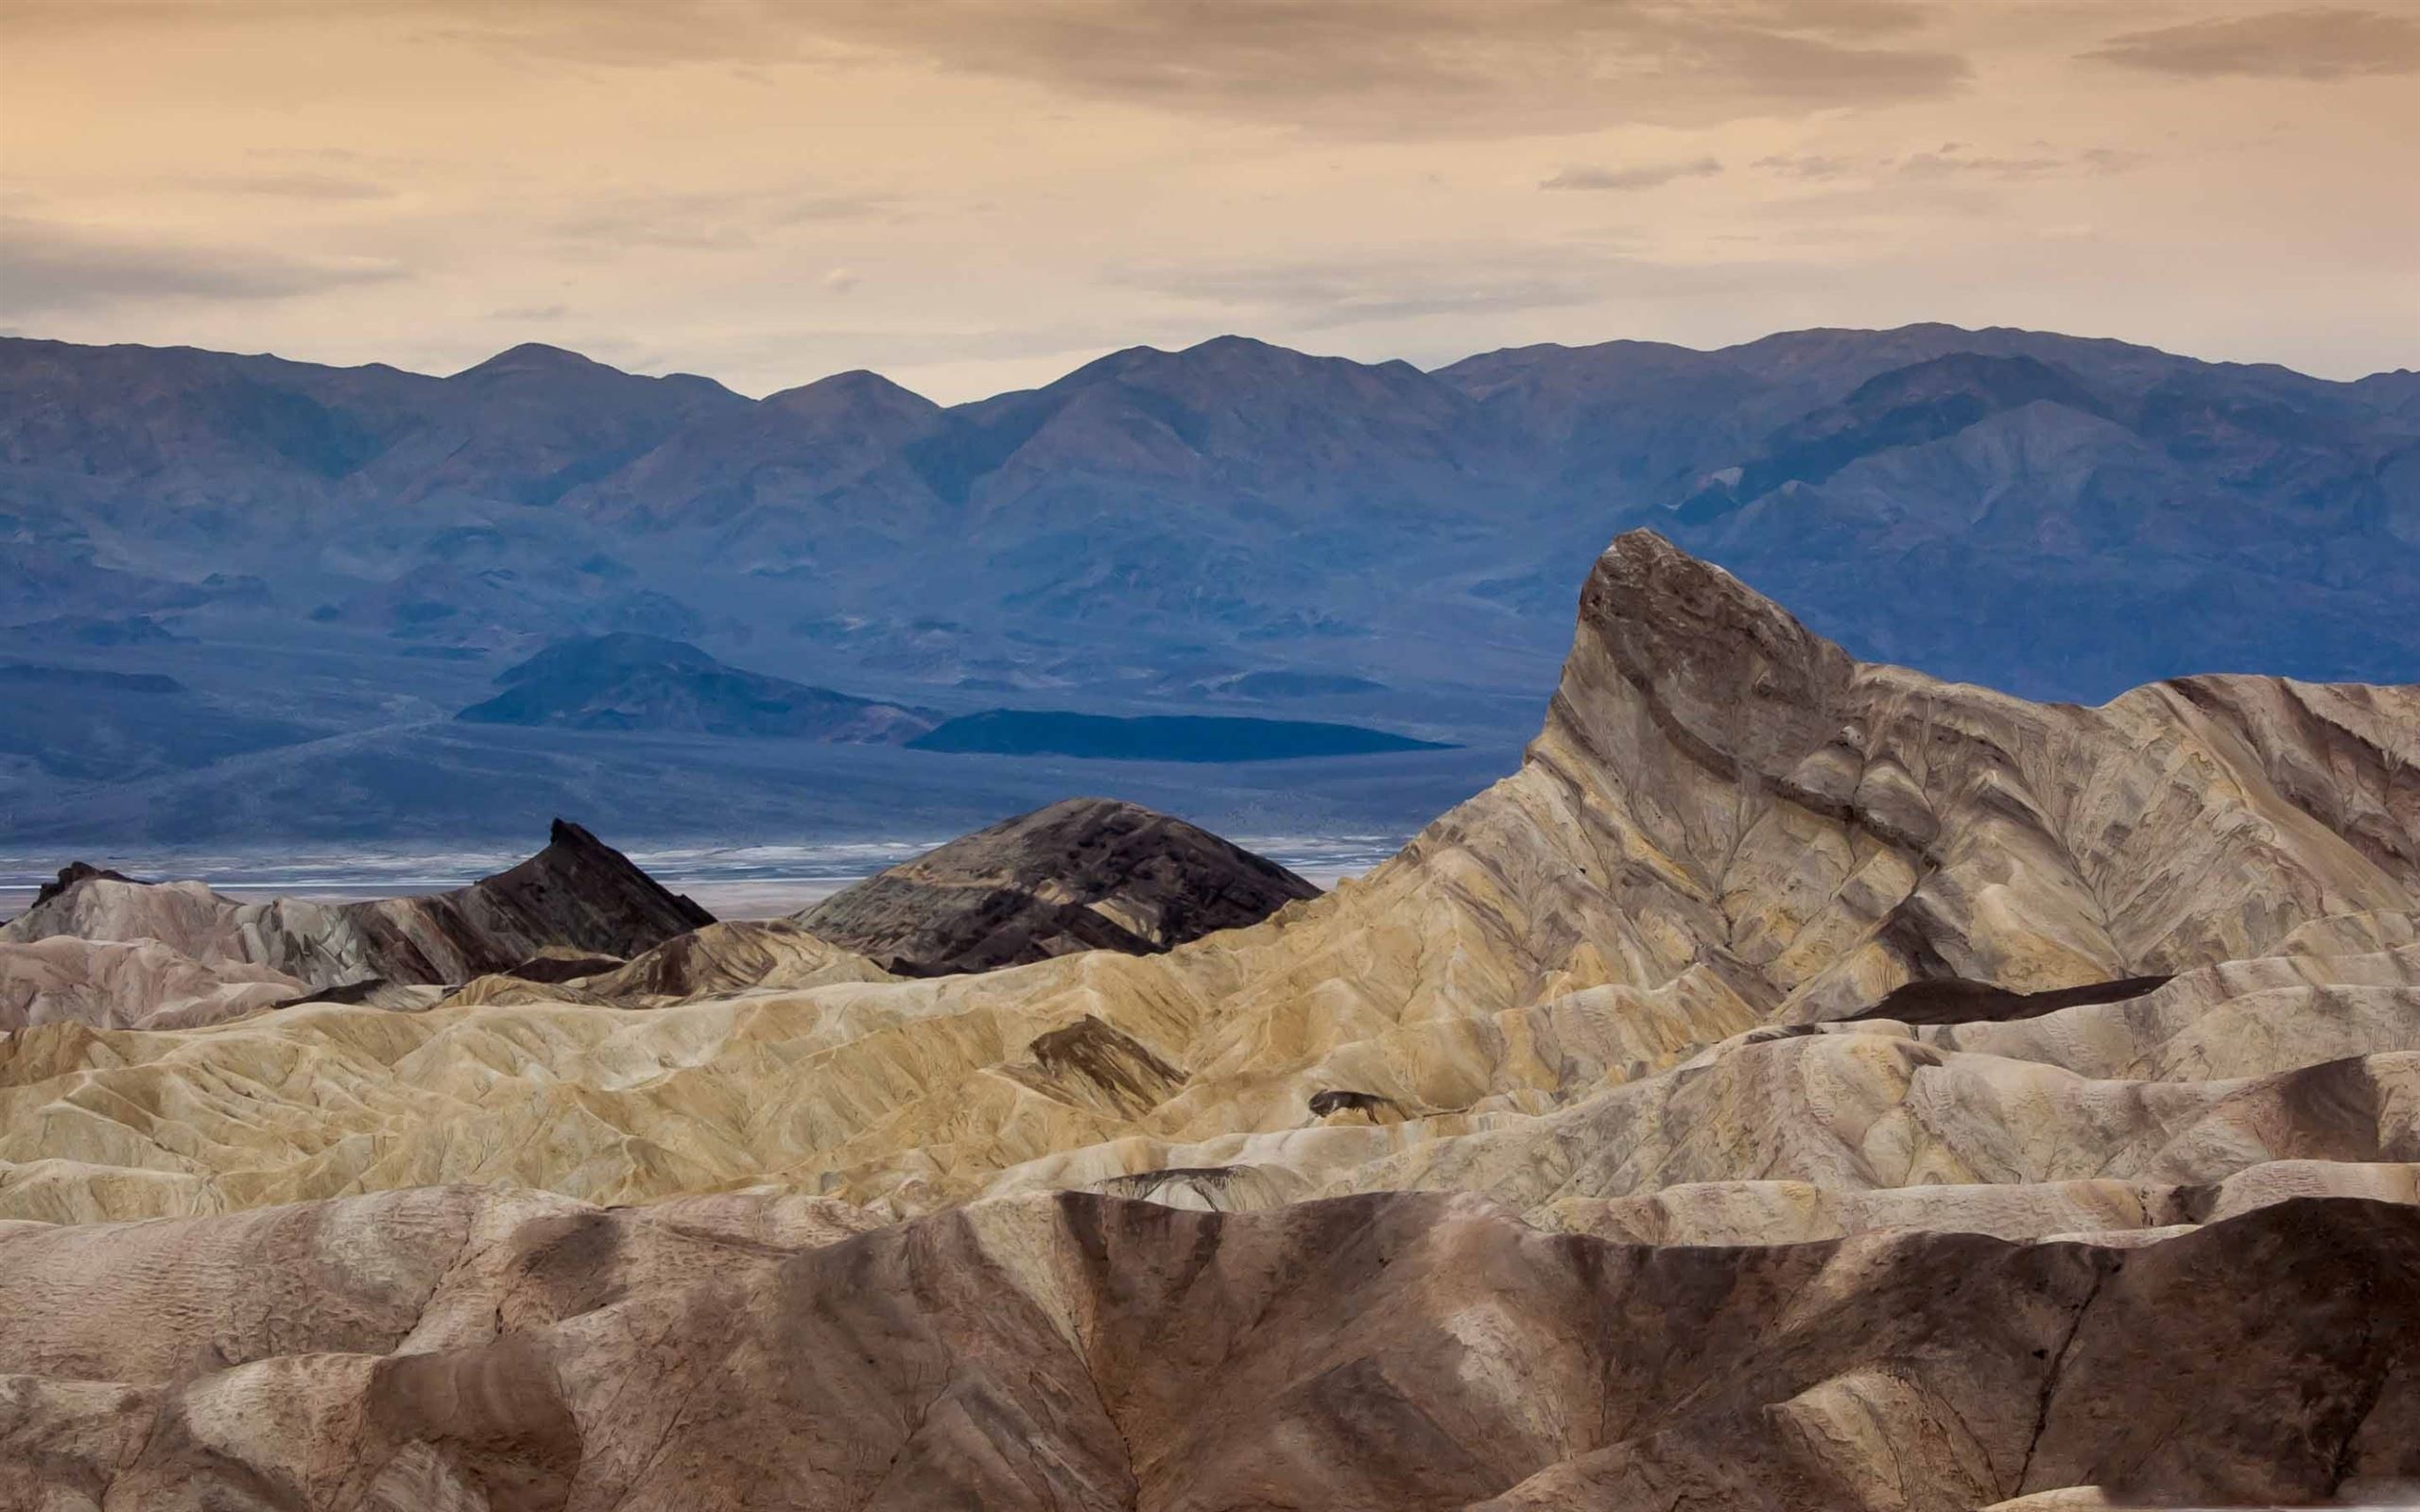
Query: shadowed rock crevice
1952, 999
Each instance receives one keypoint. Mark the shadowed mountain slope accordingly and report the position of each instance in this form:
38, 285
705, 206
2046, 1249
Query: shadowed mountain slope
646, 683
2054, 516
1084, 874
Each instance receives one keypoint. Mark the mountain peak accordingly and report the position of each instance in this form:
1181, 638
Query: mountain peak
858, 388
1084, 873
1727, 674
534, 357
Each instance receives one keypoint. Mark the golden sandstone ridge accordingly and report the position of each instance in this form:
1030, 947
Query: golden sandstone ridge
2047, 1079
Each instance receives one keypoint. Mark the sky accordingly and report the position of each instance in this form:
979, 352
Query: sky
974, 196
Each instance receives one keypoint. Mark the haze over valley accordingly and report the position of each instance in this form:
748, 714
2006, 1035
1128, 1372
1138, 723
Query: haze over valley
257, 598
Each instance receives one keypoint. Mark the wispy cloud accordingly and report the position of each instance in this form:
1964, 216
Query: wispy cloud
1810, 165
300, 186
1640, 176
2311, 43
1953, 160
51, 267
1487, 281
1414, 68
708, 219
1385, 69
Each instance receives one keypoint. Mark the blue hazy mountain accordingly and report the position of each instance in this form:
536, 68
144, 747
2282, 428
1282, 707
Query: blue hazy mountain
1157, 737
629, 681
356, 553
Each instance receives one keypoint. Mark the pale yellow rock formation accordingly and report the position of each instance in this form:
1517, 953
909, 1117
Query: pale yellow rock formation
129, 984
1558, 990
1631, 1202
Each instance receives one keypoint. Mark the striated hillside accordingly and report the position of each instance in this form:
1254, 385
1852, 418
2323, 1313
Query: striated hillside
2125, 1200
576, 895
456, 1349
1727, 823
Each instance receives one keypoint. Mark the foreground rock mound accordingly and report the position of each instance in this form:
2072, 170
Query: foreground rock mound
1086, 874
577, 894
452, 1347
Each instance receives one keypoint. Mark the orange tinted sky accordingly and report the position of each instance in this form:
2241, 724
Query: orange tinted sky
975, 195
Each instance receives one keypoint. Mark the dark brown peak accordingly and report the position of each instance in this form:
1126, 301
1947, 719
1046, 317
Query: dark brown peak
1075, 825
72, 874
1081, 811
1727, 672
1023, 889
573, 849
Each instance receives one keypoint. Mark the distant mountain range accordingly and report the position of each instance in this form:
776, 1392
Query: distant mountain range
646, 683
349, 554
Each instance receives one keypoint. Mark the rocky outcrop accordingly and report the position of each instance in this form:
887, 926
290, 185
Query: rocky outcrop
1594, 980
463, 1347
577, 894
129, 984
1803, 1084
1081, 875
720, 960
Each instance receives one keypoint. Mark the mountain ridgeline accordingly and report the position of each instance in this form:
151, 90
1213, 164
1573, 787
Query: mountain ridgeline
332, 555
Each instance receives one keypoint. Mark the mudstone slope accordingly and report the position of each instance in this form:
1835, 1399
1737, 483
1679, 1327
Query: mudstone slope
1564, 1160
98, 946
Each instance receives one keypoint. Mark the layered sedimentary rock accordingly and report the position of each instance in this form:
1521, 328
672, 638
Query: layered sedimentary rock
1803, 1084
129, 984
1728, 828
720, 960
1085, 874
455, 1349
577, 893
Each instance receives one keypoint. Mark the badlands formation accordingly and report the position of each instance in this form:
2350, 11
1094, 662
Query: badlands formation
1085, 874
1574, 1157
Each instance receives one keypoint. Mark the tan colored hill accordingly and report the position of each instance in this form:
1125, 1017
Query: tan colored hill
456, 1349
1727, 823
129, 984
2157, 1086
577, 894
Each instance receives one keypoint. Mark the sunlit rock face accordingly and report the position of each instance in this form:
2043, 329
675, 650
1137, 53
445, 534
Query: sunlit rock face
2011, 1055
